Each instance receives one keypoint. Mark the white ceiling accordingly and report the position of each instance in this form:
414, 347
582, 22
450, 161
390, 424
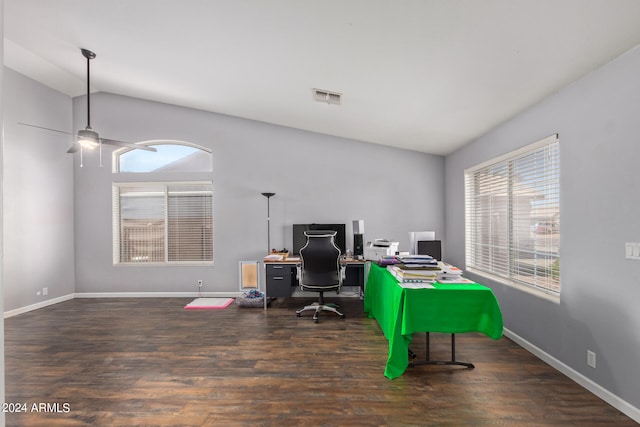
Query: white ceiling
426, 75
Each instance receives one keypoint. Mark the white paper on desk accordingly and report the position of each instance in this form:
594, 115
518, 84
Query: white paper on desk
416, 285
458, 281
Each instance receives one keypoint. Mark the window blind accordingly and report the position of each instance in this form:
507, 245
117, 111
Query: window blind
512, 211
163, 222
190, 230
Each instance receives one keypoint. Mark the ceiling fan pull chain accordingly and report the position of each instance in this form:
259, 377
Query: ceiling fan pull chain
81, 165
100, 150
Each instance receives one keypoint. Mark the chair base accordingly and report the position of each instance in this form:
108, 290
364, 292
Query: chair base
317, 308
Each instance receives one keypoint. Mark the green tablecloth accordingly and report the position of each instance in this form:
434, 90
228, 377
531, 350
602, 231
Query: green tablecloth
447, 308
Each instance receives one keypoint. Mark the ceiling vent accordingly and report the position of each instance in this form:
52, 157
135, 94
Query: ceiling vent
321, 95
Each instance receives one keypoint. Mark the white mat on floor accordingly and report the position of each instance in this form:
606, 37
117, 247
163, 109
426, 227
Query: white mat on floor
208, 303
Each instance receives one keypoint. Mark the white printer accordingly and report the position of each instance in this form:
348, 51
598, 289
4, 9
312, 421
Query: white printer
379, 248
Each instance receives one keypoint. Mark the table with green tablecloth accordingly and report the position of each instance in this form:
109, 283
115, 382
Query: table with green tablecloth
447, 308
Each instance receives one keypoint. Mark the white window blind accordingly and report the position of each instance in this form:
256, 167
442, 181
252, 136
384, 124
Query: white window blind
163, 222
513, 217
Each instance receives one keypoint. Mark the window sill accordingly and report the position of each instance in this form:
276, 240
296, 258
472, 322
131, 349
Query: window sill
164, 264
555, 298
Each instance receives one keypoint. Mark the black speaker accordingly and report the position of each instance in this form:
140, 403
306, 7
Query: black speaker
358, 245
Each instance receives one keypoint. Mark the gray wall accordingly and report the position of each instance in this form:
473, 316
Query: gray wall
316, 178
38, 194
597, 120
2, 399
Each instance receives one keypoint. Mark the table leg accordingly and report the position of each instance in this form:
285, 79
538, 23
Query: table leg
453, 360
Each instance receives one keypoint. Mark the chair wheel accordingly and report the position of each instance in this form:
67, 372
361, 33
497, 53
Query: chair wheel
342, 316
298, 314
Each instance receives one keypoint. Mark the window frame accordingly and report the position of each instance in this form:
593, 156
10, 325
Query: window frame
117, 223
119, 152
477, 216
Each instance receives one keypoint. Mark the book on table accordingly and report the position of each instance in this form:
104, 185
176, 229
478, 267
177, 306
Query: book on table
416, 276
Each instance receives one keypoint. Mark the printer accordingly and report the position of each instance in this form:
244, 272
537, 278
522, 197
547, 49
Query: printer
380, 248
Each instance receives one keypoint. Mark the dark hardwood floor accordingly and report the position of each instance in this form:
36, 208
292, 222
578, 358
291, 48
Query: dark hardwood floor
147, 361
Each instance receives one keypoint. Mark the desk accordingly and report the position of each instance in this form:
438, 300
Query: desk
280, 276
447, 308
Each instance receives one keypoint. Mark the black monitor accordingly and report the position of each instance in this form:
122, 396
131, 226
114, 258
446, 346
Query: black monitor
299, 239
430, 247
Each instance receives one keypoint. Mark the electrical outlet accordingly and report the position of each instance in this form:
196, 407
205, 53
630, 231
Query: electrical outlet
45, 291
199, 283
591, 358
632, 250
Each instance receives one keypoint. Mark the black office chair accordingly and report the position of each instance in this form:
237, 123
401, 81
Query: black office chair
320, 270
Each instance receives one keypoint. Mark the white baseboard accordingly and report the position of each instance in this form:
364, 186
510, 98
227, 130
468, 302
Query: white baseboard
42, 304
68, 297
156, 294
604, 394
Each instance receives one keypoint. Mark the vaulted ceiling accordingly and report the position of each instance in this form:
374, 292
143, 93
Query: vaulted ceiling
426, 75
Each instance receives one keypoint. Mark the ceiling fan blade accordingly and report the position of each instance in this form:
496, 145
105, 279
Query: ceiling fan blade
126, 144
74, 148
42, 127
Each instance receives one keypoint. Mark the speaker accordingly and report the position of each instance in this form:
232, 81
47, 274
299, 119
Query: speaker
358, 237
358, 245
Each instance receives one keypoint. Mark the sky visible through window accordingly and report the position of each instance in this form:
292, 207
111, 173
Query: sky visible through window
147, 161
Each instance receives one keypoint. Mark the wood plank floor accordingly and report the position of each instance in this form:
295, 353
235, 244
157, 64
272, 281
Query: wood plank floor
147, 361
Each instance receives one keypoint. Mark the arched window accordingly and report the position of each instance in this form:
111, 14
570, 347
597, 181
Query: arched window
166, 217
171, 156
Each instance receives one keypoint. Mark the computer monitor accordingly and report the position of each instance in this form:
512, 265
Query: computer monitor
430, 247
299, 239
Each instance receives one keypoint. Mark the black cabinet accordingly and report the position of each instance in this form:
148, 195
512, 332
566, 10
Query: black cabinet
279, 279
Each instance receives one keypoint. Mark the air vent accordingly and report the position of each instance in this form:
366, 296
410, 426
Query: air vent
326, 96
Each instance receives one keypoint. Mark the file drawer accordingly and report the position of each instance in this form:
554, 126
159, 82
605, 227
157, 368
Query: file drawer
279, 279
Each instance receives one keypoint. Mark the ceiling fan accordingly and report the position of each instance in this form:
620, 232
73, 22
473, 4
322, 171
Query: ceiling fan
87, 137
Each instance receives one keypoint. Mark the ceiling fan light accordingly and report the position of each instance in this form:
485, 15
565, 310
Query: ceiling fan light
88, 139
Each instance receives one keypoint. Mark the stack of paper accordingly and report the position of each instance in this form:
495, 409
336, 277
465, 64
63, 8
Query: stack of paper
418, 285
417, 275
448, 271
423, 268
418, 261
450, 274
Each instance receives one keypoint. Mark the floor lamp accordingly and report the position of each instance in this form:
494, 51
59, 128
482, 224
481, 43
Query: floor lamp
268, 196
